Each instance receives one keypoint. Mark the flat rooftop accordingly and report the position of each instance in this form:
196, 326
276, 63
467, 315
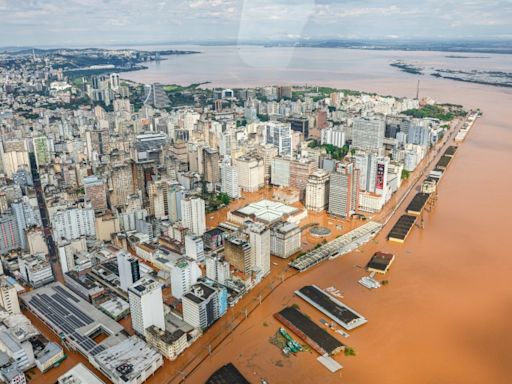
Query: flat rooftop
267, 211
339, 246
402, 228
418, 203
74, 318
309, 331
380, 262
336, 310
79, 374
227, 374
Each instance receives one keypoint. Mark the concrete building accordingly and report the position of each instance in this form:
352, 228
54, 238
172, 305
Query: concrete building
201, 306
79, 374
280, 172
230, 183
280, 136
9, 234
193, 214
72, 223
368, 133
217, 268
129, 270
317, 191
36, 270
121, 184
8, 296
96, 192
259, 239
169, 344
285, 239
299, 174
344, 190
238, 254
333, 136
251, 173
194, 247
21, 352
184, 274
146, 305
211, 169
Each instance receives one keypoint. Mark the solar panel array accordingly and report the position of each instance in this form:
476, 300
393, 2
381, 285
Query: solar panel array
66, 317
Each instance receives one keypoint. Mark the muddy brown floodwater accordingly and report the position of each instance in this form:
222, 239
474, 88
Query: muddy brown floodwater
444, 316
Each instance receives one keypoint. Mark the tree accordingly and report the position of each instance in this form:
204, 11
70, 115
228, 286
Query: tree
349, 351
224, 198
405, 174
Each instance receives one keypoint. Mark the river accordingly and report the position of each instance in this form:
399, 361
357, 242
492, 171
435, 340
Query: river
444, 317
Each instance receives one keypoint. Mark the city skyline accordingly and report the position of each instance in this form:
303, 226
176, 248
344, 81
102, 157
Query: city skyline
95, 22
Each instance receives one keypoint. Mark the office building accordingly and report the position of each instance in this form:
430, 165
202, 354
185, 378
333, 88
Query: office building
344, 190
238, 254
368, 133
211, 169
285, 239
193, 214
36, 270
299, 174
300, 124
280, 136
317, 191
280, 175
251, 173
146, 305
129, 269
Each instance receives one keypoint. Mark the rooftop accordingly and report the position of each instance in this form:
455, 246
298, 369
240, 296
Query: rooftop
79, 374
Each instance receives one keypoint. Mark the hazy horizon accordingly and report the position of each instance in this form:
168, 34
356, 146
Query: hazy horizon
120, 22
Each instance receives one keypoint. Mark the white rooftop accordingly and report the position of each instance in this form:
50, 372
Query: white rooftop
79, 374
267, 210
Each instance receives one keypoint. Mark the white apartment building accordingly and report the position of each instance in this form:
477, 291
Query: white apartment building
251, 173
184, 274
230, 183
317, 191
193, 214
36, 270
146, 304
8, 296
72, 223
217, 269
129, 270
259, 238
194, 247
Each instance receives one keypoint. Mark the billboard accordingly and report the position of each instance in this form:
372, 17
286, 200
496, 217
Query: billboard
379, 184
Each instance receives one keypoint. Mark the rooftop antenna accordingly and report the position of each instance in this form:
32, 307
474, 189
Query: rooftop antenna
418, 90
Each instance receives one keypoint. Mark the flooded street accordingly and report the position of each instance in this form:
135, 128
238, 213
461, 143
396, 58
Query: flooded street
443, 317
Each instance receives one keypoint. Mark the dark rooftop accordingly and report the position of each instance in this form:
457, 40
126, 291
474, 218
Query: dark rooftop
228, 374
402, 227
418, 203
321, 299
380, 261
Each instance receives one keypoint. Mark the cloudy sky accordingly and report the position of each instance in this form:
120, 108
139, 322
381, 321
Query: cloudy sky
85, 22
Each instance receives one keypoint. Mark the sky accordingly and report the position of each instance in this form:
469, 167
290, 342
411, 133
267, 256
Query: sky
111, 22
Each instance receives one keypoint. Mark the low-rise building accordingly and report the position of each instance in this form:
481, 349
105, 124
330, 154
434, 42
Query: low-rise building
169, 344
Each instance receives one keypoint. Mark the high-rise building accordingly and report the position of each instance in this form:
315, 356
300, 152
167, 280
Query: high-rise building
251, 173
333, 136
122, 184
285, 239
217, 268
300, 124
193, 214
114, 81
299, 174
280, 174
129, 270
8, 296
36, 270
184, 274
146, 304
175, 194
72, 223
368, 133
230, 183
194, 247
96, 192
279, 135
204, 304
26, 217
317, 191
268, 152
238, 254
259, 238
211, 167
344, 190
419, 135
373, 172
9, 234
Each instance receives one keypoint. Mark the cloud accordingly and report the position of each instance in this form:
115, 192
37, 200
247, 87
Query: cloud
57, 22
